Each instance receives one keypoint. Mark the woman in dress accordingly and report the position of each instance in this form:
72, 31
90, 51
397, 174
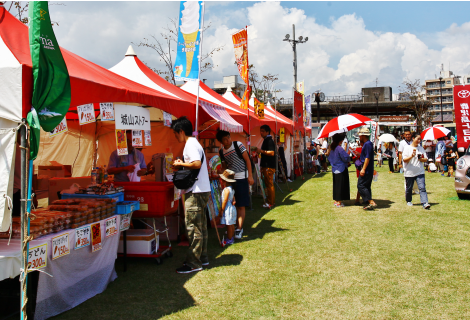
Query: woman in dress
339, 160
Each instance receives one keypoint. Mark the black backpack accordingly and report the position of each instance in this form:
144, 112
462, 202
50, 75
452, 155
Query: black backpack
239, 153
185, 179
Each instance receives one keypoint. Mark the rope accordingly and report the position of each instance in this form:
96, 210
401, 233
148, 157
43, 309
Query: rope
209, 127
10, 207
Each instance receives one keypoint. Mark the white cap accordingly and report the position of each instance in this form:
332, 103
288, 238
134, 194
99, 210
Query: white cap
229, 89
130, 52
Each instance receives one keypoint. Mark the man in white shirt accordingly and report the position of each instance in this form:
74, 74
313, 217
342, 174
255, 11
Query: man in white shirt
195, 198
403, 143
413, 158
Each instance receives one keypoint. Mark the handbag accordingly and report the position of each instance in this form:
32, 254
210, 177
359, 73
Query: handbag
185, 179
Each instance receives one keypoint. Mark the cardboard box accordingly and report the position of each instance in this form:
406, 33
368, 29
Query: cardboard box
42, 183
139, 241
59, 184
55, 171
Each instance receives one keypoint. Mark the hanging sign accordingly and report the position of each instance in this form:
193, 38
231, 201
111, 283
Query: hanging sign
259, 109
300, 87
37, 257
86, 114
282, 135
61, 128
166, 119
240, 47
60, 246
137, 138
298, 110
462, 115
125, 221
111, 226
308, 112
96, 237
82, 237
147, 138
107, 111
121, 142
131, 117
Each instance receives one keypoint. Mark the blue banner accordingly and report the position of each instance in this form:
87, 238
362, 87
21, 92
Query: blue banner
189, 38
308, 112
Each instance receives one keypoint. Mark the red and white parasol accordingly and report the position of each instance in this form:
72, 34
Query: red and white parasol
343, 123
434, 133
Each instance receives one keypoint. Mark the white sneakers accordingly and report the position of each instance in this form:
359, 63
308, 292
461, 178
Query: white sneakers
238, 233
409, 204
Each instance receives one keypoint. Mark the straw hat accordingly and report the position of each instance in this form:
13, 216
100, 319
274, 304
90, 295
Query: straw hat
228, 175
364, 132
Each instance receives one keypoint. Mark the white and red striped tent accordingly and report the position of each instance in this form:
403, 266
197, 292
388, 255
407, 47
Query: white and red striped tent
131, 67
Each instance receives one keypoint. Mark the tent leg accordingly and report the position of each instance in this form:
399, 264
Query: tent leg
24, 262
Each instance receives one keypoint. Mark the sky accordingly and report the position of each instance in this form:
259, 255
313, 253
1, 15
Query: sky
351, 44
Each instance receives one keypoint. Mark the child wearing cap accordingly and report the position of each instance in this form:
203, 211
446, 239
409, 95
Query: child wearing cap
229, 212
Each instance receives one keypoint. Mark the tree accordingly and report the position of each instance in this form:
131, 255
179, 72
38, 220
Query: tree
20, 9
340, 108
166, 52
414, 92
262, 86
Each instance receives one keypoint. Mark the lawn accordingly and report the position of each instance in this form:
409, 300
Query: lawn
307, 259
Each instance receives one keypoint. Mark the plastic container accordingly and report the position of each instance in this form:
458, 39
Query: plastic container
156, 198
126, 207
119, 196
376, 176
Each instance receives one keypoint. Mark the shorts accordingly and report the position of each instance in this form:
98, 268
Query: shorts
229, 217
242, 193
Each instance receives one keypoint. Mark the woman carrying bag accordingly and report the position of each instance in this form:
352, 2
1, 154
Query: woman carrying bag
339, 160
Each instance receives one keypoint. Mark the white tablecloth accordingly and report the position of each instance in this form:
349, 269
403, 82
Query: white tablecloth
77, 276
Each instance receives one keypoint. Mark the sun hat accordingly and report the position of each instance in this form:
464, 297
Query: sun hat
228, 175
364, 132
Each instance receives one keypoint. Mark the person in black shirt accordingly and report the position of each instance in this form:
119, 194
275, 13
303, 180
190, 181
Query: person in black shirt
268, 163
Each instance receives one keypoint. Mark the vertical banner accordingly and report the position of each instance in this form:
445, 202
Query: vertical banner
298, 111
308, 112
462, 115
107, 111
301, 87
187, 52
121, 142
259, 109
282, 135
147, 138
137, 138
240, 47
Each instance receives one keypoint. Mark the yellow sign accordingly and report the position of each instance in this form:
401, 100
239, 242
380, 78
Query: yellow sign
282, 135
259, 109
301, 87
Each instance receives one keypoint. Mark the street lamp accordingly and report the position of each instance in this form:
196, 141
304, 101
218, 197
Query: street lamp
440, 90
376, 95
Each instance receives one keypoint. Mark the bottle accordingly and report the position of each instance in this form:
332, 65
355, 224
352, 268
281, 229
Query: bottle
93, 176
100, 175
105, 174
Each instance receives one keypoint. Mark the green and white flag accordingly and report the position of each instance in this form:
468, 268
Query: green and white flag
51, 86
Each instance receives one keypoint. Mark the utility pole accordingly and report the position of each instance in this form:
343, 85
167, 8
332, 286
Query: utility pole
376, 95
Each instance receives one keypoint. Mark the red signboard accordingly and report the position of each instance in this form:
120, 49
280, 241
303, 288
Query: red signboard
462, 115
298, 111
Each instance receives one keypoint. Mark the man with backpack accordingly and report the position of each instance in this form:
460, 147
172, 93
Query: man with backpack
235, 157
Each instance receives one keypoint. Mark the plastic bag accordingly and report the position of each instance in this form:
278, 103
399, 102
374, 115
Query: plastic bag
133, 176
73, 188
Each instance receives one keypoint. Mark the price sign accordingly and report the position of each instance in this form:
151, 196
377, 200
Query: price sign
131, 117
111, 226
147, 138
60, 246
61, 128
86, 113
37, 257
125, 221
96, 237
121, 142
107, 111
82, 237
137, 138
166, 119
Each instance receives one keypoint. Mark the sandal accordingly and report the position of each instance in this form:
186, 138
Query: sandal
357, 203
368, 207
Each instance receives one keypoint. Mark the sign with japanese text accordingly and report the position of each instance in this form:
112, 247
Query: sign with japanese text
308, 112
282, 135
107, 111
300, 87
61, 128
462, 115
96, 237
129, 117
86, 114
259, 109
137, 138
167, 119
240, 47
298, 110
147, 138
60, 246
121, 142
82, 237
125, 221
37, 257
111, 226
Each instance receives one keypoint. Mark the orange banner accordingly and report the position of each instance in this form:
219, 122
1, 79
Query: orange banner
246, 98
240, 46
259, 109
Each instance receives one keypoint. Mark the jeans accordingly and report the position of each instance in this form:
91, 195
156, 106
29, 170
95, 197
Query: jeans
364, 184
421, 185
268, 176
196, 227
390, 165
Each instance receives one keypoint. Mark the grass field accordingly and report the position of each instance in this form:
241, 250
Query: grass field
306, 259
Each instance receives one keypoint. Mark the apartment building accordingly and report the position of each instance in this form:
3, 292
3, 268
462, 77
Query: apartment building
443, 86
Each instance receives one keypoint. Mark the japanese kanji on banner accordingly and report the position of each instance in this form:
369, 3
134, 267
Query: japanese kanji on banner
240, 47
308, 112
259, 109
298, 110
462, 115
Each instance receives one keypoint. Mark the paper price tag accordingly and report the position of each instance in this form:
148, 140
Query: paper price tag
147, 138
37, 257
107, 111
137, 138
86, 113
96, 237
61, 128
111, 226
166, 119
82, 237
125, 221
121, 142
60, 246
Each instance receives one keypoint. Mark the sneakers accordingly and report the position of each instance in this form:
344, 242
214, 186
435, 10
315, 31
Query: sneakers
187, 269
238, 233
289, 180
228, 242
267, 206
410, 204
426, 206
205, 264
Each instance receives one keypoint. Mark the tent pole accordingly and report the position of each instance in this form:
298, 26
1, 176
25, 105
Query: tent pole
199, 71
24, 261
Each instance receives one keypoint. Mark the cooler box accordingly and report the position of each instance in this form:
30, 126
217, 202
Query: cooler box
139, 241
156, 198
